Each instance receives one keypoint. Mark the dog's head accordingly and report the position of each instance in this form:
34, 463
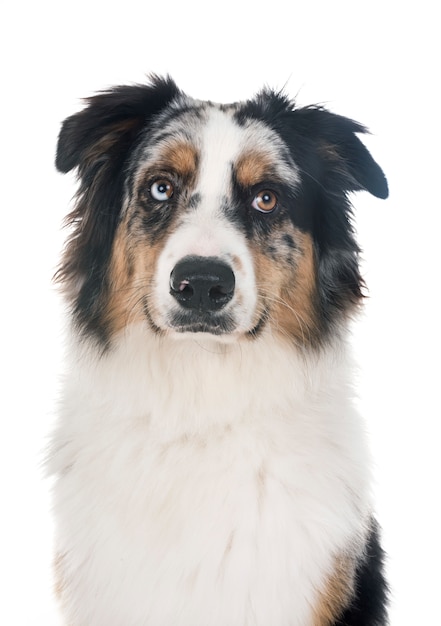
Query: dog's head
228, 220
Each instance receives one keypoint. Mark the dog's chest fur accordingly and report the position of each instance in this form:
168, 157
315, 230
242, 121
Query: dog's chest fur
220, 493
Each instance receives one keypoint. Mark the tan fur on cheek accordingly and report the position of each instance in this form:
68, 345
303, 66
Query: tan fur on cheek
300, 295
130, 279
290, 292
336, 595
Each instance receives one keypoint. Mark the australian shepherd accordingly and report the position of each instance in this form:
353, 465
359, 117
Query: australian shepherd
211, 468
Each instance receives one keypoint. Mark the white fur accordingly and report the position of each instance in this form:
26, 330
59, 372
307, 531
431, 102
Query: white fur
205, 484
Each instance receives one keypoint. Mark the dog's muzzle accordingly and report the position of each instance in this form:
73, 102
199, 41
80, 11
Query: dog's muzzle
202, 286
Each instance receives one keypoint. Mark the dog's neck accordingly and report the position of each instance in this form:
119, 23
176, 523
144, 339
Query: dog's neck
191, 385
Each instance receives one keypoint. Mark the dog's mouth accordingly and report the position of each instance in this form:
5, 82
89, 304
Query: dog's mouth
201, 322
220, 325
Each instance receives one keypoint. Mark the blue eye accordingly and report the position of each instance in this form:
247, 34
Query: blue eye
161, 190
265, 201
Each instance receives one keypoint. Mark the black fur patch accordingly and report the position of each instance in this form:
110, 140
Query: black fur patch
368, 607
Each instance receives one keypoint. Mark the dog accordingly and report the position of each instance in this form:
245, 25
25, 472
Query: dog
211, 469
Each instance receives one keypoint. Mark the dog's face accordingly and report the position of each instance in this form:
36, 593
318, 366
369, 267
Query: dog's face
206, 242
201, 218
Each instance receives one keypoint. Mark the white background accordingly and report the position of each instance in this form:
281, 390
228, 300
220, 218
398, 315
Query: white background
377, 62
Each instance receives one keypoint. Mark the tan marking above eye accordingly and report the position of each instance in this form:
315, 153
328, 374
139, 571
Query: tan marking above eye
253, 167
180, 158
161, 190
265, 201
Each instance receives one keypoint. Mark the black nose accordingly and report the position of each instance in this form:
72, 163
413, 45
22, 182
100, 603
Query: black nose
202, 283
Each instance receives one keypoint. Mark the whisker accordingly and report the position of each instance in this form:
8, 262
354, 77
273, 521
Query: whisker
304, 327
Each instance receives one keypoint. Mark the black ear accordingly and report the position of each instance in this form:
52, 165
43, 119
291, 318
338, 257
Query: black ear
362, 168
343, 155
110, 122
324, 145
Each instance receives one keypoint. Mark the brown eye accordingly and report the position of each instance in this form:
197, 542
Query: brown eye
161, 190
265, 201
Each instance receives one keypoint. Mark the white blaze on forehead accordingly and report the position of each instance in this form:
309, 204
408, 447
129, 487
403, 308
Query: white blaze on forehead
221, 142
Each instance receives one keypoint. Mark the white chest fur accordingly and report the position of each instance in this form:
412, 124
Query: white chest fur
202, 485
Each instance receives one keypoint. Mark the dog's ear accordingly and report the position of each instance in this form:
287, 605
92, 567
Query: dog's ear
110, 123
346, 162
324, 145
